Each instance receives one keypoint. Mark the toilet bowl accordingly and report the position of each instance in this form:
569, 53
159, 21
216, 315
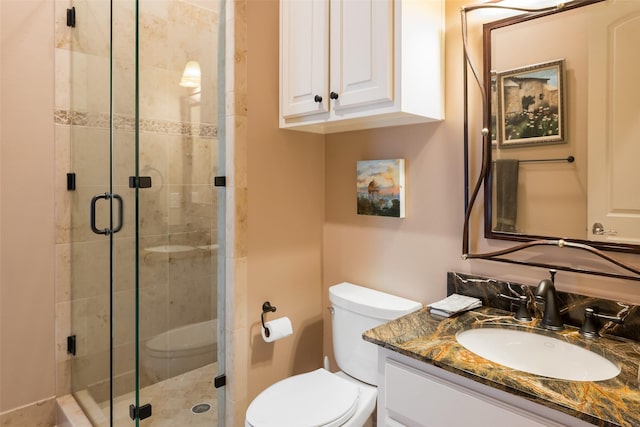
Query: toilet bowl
320, 398
180, 350
347, 398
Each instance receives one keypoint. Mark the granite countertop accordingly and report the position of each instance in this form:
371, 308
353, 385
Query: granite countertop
431, 339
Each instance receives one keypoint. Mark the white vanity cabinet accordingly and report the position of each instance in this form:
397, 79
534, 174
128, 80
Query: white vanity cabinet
357, 64
416, 394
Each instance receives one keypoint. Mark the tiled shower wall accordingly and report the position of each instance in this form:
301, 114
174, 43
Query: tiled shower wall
178, 149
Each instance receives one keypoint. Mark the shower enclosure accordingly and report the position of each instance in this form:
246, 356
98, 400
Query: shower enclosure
146, 232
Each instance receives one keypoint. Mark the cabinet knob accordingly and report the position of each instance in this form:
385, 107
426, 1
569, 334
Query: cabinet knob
317, 99
333, 95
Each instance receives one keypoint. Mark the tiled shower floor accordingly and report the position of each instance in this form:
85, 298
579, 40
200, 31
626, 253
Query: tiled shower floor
171, 401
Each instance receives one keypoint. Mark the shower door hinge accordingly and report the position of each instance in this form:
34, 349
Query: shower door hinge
71, 17
139, 182
71, 181
220, 381
71, 345
141, 412
220, 181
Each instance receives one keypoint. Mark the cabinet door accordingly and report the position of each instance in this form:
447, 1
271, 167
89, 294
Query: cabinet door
304, 57
361, 52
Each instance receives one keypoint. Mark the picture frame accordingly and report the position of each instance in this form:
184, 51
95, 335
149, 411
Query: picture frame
531, 105
380, 188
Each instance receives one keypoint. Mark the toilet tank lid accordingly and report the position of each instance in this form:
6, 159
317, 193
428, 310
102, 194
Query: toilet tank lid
370, 302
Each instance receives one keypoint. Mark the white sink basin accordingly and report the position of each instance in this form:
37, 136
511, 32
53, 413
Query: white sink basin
537, 354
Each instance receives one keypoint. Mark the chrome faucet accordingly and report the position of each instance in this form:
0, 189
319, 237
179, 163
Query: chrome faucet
546, 293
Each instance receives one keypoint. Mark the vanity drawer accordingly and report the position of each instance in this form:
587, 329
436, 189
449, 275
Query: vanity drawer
415, 398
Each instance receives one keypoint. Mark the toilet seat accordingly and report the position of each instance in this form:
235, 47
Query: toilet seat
314, 399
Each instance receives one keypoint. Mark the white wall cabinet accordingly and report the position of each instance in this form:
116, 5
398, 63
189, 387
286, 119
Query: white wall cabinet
415, 394
358, 64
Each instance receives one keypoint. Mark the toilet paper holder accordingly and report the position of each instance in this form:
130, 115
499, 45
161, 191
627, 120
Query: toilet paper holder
266, 308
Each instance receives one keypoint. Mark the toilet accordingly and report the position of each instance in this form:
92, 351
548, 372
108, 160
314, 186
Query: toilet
346, 398
180, 350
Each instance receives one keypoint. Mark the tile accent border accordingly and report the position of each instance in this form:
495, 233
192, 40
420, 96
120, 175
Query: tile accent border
127, 123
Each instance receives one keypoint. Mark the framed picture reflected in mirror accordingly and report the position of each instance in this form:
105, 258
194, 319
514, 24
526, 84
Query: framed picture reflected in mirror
531, 105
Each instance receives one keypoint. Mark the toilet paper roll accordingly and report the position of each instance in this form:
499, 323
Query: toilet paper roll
278, 328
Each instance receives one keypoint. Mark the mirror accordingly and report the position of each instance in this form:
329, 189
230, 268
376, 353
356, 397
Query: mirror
565, 126
562, 111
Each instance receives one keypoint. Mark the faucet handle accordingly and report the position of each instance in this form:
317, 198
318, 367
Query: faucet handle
522, 314
590, 326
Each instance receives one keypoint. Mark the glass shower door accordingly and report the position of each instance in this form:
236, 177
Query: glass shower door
124, 160
147, 227
179, 238
97, 367
103, 228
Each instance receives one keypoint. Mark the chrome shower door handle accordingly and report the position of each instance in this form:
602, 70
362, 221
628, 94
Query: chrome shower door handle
92, 213
599, 230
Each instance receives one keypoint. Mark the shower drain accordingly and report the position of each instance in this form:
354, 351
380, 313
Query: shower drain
200, 408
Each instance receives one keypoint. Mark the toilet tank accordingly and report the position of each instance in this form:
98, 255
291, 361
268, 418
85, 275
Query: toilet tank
355, 310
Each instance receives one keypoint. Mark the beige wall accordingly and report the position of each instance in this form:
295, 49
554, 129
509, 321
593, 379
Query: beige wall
285, 199
26, 216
